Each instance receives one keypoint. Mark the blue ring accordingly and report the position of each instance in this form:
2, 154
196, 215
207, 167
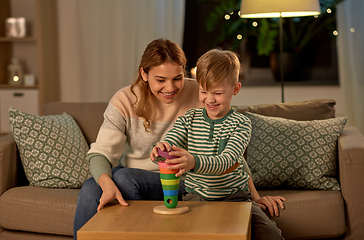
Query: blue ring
170, 192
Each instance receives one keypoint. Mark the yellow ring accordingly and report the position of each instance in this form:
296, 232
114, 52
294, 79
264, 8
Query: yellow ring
170, 181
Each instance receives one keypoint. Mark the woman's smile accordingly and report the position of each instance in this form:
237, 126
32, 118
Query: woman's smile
168, 94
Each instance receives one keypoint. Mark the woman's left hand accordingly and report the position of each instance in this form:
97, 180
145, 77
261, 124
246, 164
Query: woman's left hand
185, 161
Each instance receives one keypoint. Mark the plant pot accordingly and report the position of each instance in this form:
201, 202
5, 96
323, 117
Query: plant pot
290, 66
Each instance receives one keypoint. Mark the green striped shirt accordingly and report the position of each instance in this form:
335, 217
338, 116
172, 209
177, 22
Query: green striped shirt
216, 145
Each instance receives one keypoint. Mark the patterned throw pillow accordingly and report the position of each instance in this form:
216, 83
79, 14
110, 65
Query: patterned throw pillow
290, 154
52, 149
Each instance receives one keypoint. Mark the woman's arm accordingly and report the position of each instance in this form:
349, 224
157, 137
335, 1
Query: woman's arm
105, 152
109, 192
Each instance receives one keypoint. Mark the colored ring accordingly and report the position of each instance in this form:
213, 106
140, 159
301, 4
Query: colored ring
170, 192
163, 164
165, 154
168, 171
169, 181
168, 176
170, 187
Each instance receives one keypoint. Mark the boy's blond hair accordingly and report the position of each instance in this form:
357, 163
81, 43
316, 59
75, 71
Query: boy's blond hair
216, 66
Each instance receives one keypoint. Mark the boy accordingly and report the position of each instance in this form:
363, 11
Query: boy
216, 137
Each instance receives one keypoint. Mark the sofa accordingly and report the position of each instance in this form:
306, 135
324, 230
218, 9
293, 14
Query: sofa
32, 212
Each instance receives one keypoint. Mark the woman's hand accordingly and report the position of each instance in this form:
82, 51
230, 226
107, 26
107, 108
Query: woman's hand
164, 146
185, 161
109, 192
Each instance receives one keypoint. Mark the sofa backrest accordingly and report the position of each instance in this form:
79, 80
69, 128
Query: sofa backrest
317, 109
89, 116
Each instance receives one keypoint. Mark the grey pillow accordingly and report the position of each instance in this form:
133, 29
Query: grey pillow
290, 154
52, 149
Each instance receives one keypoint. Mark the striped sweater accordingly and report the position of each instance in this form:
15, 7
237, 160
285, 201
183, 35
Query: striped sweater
216, 145
122, 138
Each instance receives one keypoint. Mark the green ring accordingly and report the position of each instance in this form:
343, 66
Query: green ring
170, 187
168, 176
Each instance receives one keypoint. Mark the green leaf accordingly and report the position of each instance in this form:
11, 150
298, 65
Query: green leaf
266, 39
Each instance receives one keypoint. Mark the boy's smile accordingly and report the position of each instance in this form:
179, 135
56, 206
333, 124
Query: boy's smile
217, 100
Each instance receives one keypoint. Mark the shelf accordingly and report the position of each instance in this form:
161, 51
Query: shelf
38, 52
26, 39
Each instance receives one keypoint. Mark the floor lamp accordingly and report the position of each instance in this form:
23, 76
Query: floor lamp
279, 9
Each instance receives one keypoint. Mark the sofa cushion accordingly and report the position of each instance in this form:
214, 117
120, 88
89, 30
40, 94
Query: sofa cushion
37, 209
305, 110
290, 154
52, 149
310, 214
89, 116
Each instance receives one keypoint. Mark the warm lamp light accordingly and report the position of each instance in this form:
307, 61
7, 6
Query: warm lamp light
279, 9
274, 9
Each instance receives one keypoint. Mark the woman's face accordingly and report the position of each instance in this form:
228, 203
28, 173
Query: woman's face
165, 81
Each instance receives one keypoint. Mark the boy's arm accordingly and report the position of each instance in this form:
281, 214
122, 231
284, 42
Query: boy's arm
177, 136
226, 160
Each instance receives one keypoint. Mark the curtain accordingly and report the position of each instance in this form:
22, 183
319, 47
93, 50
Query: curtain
351, 58
101, 42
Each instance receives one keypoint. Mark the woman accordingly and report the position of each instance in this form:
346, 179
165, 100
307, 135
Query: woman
137, 116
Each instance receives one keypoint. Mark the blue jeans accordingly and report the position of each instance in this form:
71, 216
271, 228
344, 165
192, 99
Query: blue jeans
134, 184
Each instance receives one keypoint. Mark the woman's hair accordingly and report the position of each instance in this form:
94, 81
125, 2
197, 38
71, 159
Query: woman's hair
156, 53
216, 66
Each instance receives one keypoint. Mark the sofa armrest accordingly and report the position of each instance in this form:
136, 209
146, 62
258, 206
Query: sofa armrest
9, 163
351, 170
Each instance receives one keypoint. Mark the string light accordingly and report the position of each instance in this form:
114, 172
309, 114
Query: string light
239, 37
328, 10
255, 24
227, 16
335, 33
352, 30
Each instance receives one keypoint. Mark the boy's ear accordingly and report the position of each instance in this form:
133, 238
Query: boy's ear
237, 88
144, 75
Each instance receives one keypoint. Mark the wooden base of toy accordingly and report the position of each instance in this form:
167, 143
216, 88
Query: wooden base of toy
164, 210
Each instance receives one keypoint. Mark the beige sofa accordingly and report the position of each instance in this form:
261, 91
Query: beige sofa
45, 213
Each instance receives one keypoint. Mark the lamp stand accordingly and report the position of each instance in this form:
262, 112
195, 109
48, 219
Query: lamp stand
281, 54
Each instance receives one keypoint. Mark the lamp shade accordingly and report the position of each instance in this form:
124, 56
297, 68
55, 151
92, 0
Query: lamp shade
277, 8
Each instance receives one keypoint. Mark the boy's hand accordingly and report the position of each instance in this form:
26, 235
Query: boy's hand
185, 161
164, 146
272, 203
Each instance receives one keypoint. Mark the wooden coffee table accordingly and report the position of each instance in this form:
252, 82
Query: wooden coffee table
205, 220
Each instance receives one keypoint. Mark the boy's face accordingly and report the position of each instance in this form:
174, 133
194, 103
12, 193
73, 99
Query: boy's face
217, 100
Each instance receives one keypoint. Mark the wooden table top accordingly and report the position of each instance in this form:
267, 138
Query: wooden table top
205, 220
